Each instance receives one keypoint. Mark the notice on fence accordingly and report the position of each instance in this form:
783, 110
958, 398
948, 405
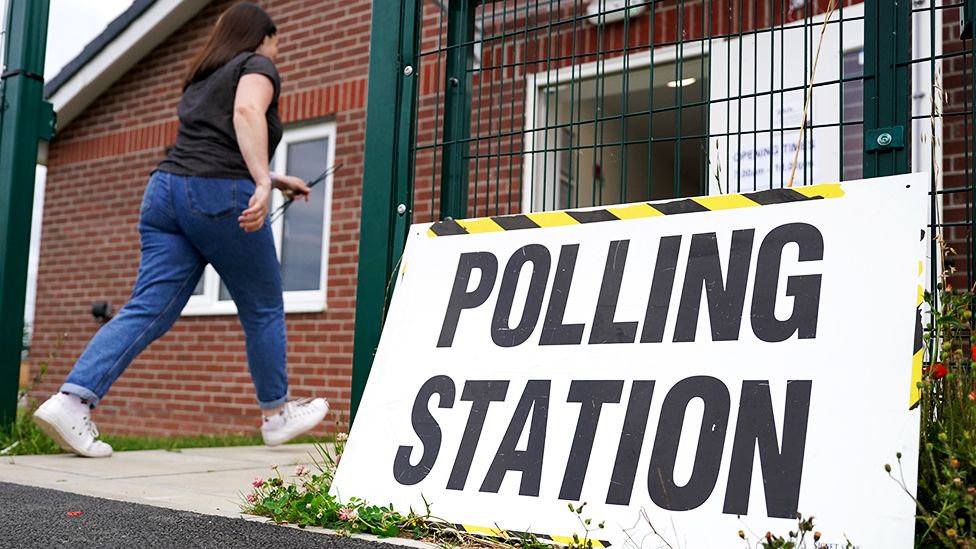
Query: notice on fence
689, 369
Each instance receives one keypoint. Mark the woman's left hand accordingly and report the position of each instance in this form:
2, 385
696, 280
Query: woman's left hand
292, 187
254, 216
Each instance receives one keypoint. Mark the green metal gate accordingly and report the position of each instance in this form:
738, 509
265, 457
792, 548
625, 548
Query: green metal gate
482, 109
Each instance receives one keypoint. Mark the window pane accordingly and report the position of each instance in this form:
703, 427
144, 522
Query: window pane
199, 289
853, 108
301, 245
224, 294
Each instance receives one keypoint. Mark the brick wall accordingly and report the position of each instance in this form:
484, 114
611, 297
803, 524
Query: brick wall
195, 379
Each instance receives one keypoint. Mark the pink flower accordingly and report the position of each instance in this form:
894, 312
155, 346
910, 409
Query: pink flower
300, 470
257, 483
251, 498
972, 395
347, 513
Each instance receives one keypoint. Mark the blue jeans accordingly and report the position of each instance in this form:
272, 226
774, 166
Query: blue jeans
185, 223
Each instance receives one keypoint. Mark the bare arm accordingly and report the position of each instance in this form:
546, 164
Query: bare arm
254, 93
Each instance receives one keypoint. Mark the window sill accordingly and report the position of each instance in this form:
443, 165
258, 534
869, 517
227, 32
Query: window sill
227, 308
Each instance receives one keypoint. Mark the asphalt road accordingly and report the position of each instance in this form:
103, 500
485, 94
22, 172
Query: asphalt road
35, 517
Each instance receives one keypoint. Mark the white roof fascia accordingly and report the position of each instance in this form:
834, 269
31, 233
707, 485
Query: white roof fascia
154, 26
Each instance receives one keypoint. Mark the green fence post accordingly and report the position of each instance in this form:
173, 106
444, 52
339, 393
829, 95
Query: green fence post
387, 175
21, 117
457, 109
968, 19
887, 87
406, 126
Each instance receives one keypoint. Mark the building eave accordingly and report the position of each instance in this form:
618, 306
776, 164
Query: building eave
123, 43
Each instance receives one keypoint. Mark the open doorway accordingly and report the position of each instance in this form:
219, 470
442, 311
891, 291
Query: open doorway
618, 131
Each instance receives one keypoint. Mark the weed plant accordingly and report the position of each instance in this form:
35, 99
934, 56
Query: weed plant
946, 497
304, 500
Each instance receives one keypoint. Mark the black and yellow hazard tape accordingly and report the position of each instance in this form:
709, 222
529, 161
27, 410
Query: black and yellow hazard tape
479, 225
915, 395
501, 534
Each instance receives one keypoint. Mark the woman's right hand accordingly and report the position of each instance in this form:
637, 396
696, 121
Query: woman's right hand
292, 187
253, 218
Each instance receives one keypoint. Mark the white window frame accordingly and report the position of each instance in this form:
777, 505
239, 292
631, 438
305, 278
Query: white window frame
308, 301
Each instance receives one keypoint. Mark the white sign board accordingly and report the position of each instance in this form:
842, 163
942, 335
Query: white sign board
717, 364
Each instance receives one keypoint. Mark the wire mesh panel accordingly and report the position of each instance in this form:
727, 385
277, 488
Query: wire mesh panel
942, 57
530, 105
579, 103
430, 111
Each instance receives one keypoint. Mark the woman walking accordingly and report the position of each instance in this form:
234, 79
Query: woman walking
206, 202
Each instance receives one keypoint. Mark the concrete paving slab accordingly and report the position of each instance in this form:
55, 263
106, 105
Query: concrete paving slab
131, 464
289, 454
204, 480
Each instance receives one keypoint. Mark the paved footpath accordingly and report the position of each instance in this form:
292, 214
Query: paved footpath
151, 498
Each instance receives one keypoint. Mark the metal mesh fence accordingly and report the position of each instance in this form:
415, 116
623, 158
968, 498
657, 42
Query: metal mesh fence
947, 116
529, 105
516, 106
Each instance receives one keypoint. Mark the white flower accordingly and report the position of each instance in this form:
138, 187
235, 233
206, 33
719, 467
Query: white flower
342, 437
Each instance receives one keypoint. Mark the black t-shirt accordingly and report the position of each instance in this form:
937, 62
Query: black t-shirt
206, 144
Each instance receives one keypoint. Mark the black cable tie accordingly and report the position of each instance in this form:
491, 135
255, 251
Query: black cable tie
22, 72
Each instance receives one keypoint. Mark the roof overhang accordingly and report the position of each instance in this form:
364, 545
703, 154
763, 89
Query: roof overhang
125, 41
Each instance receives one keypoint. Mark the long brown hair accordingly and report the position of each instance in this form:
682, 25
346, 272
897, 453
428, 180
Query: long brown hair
243, 27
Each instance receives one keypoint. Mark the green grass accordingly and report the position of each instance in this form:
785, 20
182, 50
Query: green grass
30, 440
126, 443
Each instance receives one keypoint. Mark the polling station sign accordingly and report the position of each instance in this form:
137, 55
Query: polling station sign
702, 366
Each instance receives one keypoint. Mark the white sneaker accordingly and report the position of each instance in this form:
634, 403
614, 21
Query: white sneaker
68, 421
297, 417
